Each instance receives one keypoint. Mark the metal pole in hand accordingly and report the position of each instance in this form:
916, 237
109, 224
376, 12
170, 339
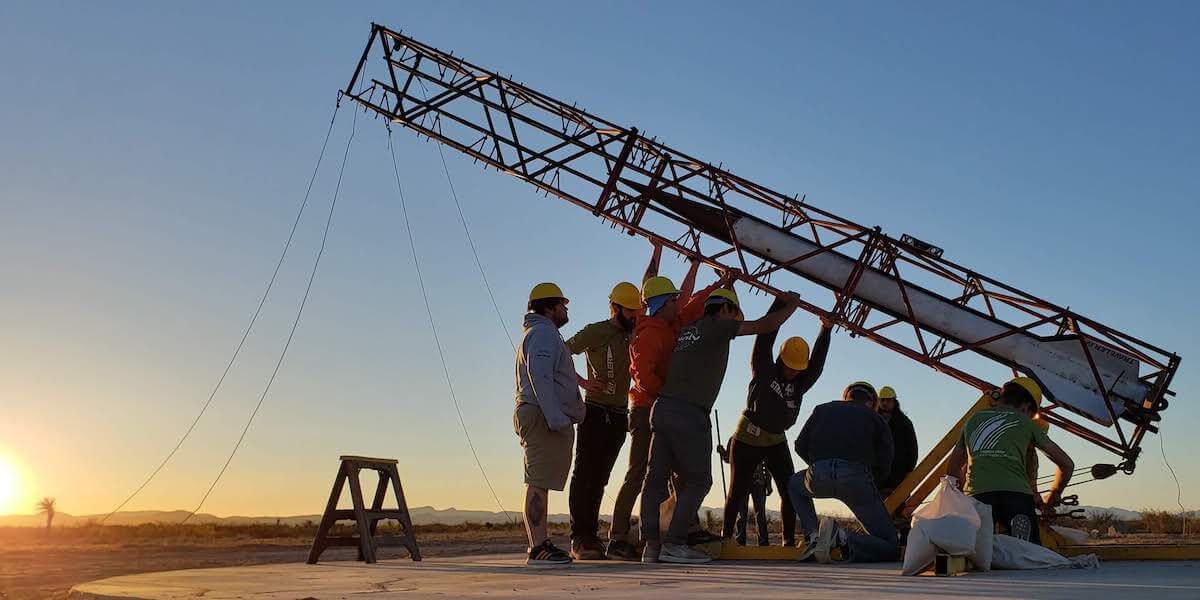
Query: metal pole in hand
717, 416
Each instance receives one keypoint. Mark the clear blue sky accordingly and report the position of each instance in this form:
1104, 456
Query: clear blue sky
153, 155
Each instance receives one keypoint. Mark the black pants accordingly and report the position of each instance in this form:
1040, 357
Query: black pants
598, 442
1014, 513
759, 495
743, 460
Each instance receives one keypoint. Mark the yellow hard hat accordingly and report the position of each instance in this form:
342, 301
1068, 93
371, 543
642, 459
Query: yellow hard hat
542, 291
626, 295
1030, 386
859, 384
794, 353
887, 392
727, 294
657, 286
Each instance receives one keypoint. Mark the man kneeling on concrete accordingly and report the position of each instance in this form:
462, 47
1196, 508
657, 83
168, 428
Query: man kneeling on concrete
847, 447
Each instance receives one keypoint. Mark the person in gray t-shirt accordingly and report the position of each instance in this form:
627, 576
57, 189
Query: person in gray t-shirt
682, 439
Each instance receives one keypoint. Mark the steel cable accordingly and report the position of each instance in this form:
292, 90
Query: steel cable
478, 263
433, 327
1183, 513
295, 323
242, 342
467, 230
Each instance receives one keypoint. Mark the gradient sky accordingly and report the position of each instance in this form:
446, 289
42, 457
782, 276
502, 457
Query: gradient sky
153, 155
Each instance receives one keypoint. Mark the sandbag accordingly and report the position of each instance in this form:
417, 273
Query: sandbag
1072, 535
948, 523
982, 557
950, 520
919, 553
1013, 553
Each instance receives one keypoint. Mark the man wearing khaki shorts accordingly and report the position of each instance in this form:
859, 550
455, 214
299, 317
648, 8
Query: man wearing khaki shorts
548, 407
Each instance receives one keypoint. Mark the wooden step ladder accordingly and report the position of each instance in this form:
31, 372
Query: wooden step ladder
366, 519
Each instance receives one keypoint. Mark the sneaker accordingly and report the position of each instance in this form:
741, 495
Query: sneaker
651, 553
826, 533
810, 547
587, 550
1020, 527
547, 556
702, 536
622, 550
681, 554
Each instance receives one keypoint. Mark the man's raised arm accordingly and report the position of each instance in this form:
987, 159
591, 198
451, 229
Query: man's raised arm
689, 280
655, 257
1065, 466
772, 320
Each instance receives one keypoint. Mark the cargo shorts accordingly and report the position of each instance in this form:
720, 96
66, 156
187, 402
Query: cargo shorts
547, 452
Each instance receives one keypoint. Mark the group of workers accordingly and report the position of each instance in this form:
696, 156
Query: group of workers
654, 370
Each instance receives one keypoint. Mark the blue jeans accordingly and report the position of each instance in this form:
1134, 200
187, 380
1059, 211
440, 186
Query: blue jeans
852, 483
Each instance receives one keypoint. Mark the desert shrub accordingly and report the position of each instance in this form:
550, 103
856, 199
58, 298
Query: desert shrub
1161, 521
1101, 521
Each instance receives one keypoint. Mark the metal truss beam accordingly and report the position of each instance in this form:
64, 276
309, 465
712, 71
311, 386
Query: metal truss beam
615, 172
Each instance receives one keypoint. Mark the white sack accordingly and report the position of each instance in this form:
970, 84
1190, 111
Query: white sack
950, 520
1012, 553
1072, 535
982, 557
948, 523
919, 553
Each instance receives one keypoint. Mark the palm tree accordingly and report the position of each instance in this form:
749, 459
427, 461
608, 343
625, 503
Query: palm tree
46, 507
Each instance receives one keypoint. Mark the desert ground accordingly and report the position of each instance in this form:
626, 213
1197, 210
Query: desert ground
34, 564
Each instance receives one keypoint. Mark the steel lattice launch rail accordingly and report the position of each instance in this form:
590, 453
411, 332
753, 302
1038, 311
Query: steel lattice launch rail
1103, 385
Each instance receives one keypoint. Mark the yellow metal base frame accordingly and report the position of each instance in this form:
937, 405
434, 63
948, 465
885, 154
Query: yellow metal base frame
949, 565
1135, 551
1057, 543
732, 551
1106, 552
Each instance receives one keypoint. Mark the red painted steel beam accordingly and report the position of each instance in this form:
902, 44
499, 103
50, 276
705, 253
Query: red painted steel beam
617, 175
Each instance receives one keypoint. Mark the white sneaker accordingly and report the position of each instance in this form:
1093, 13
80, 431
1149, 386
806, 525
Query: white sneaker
681, 554
824, 544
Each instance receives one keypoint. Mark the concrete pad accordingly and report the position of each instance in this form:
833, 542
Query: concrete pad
505, 576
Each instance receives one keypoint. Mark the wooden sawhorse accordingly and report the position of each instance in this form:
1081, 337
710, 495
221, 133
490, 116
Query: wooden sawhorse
366, 519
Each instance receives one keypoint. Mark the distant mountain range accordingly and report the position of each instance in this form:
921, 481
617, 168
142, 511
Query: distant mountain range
421, 515
1120, 513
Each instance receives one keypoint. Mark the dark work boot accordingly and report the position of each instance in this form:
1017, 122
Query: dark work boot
622, 550
587, 549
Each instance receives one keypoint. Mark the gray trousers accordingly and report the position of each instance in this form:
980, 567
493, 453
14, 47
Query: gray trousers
639, 457
681, 444
852, 483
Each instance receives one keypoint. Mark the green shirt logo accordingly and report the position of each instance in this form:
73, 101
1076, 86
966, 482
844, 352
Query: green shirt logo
997, 441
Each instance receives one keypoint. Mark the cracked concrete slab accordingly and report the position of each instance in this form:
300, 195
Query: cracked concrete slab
505, 576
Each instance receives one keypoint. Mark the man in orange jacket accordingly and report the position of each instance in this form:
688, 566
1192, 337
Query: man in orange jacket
669, 310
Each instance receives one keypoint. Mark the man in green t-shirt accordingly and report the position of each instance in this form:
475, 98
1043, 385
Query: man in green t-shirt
994, 450
682, 440
602, 432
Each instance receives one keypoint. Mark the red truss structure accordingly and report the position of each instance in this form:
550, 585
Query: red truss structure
628, 180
